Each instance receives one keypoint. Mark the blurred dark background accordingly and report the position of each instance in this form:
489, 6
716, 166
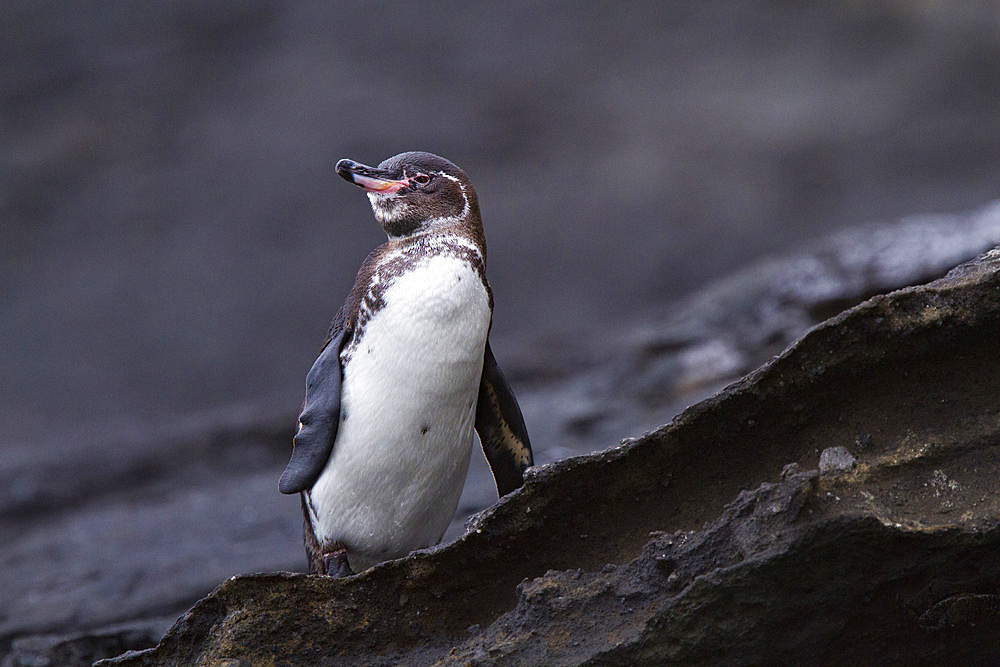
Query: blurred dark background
174, 241
174, 237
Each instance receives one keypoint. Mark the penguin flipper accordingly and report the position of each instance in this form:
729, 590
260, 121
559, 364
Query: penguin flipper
501, 428
319, 420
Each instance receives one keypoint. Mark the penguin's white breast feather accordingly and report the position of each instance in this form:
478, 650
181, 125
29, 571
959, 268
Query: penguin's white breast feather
408, 409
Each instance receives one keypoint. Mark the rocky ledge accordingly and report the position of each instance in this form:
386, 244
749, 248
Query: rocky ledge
837, 504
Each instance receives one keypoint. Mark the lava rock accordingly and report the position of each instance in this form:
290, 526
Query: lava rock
104, 513
896, 559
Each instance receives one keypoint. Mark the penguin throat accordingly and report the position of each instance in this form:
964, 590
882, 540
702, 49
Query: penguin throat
399, 217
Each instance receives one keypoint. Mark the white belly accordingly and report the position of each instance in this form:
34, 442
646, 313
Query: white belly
407, 416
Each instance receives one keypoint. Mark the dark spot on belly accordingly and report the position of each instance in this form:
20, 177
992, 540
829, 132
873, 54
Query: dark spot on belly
424, 429
343, 416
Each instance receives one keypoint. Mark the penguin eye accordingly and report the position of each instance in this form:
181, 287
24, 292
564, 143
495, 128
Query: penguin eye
421, 179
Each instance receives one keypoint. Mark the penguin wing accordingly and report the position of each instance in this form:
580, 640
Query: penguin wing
320, 416
501, 428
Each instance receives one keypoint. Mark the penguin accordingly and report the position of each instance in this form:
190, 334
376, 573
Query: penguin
404, 379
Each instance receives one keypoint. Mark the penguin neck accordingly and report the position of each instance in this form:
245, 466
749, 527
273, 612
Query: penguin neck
468, 227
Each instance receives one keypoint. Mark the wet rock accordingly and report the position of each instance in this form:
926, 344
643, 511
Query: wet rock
897, 558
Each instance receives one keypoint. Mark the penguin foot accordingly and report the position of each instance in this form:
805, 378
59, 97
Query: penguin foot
335, 563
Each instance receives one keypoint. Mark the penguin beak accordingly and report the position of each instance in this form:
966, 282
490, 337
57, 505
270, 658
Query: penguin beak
371, 179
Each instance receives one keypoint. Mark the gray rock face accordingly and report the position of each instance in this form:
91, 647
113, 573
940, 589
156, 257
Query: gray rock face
690, 544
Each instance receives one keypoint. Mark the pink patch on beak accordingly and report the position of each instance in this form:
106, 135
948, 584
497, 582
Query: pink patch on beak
378, 185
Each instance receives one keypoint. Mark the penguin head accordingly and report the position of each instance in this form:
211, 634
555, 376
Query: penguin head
415, 192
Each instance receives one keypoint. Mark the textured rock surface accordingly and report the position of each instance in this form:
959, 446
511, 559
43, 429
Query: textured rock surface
108, 530
713, 538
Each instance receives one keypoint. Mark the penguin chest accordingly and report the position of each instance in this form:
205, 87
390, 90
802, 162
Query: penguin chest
411, 380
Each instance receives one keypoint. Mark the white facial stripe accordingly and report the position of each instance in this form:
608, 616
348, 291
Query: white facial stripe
465, 198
